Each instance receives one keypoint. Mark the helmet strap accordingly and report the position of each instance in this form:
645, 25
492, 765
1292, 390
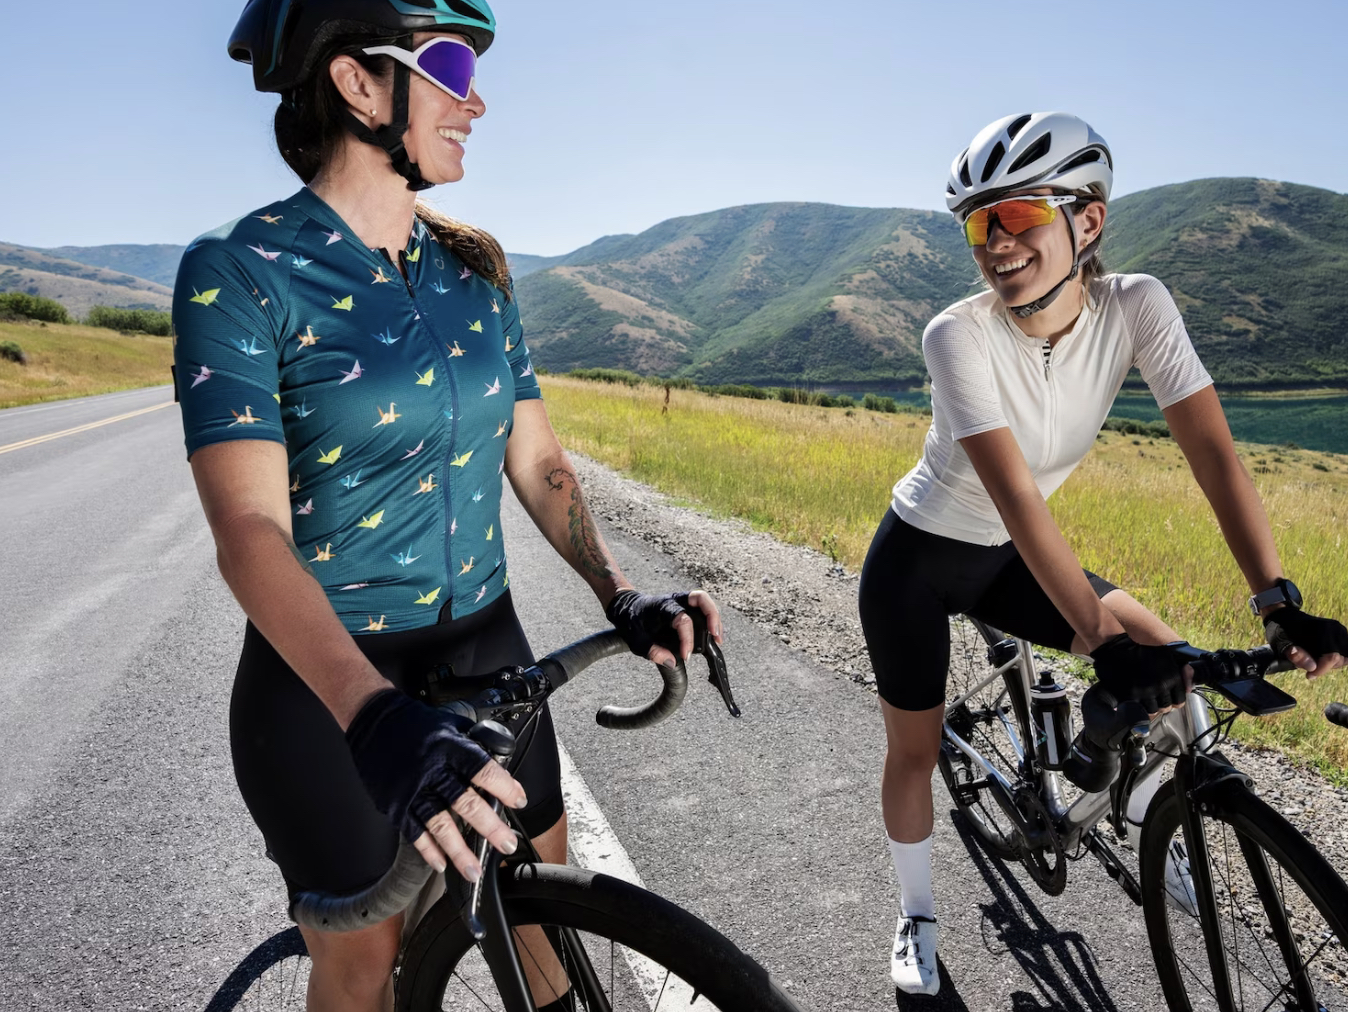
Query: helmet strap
390, 135
1048, 298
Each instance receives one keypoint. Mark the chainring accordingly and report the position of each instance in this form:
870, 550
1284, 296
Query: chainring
1047, 863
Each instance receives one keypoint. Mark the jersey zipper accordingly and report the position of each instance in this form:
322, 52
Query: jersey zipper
446, 479
1050, 430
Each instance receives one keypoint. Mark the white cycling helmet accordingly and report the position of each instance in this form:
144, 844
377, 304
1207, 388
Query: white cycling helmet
1031, 149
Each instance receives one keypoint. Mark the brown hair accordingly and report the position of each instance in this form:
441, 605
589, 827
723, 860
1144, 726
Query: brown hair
309, 135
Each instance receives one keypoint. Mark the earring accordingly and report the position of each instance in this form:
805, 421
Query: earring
374, 112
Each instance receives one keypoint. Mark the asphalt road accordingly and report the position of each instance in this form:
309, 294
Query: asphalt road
132, 878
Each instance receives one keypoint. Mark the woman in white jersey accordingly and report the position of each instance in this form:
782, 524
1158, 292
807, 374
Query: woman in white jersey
1022, 376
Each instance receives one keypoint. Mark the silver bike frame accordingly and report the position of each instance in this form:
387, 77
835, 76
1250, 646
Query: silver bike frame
1171, 733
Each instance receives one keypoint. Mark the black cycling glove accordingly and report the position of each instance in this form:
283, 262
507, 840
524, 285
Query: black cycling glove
414, 760
644, 620
1288, 627
1154, 676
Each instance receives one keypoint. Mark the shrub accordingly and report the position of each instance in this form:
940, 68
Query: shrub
13, 352
33, 307
1133, 427
622, 376
874, 402
144, 321
736, 390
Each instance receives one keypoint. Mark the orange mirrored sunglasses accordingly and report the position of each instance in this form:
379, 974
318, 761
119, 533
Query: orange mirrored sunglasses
1014, 214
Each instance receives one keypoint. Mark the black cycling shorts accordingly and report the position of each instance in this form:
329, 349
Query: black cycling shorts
296, 773
912, 582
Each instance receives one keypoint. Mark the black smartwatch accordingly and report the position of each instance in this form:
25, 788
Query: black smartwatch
1282, 592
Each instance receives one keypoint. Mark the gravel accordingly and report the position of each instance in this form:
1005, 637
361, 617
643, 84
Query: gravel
809, 603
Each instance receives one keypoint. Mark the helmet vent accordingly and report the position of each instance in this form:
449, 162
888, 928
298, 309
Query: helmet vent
467, 10
1018, 124
949, 189
965, 178
1033, 153
994, 159
1085, 158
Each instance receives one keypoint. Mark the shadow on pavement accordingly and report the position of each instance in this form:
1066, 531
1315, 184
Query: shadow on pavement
1060, 964
287, 985
946, 1000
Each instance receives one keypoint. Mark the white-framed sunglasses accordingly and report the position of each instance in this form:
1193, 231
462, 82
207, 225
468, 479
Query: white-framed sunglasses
1014, 214
448, 63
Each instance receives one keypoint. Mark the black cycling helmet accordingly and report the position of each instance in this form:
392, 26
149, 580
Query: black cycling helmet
287, 40
284, 40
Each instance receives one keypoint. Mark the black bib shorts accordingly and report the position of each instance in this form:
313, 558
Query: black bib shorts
296, 773
912, 582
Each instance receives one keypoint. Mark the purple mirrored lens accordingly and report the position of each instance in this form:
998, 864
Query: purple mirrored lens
451, 64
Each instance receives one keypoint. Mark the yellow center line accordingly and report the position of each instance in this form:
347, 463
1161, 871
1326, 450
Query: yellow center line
82, 428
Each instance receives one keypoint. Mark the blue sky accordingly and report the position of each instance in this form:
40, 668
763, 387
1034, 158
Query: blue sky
611, 115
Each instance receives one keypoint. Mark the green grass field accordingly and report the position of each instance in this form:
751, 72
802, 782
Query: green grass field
821, 477
68, 360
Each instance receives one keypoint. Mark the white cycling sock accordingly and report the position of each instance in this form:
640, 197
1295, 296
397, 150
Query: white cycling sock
912, 868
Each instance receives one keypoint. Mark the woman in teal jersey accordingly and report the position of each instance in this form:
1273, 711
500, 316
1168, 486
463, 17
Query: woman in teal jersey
355, 389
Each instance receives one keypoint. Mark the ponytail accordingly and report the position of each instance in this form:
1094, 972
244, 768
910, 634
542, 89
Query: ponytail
476, 248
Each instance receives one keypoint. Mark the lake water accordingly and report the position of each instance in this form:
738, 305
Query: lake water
1315, 423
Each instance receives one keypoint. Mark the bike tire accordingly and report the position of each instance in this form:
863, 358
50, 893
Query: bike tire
440, 957
1265, 873
979, 722
273, 977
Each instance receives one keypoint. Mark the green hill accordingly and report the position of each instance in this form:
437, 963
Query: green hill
77, 286
814, 293
157, 262
1257, 267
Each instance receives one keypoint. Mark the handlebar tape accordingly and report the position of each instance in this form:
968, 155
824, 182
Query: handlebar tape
391, 895
628, 718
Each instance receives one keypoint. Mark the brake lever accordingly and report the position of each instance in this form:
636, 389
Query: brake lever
718, 675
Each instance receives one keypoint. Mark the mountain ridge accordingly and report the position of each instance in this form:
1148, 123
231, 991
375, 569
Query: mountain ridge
798, 292
810, 293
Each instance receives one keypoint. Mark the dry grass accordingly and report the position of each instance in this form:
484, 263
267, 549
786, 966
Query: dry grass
76, 361
821, 477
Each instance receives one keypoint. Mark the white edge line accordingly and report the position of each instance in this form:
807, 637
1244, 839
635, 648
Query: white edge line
590, 839
593, 845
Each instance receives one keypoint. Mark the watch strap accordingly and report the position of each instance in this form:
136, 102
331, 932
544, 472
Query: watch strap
1282, 592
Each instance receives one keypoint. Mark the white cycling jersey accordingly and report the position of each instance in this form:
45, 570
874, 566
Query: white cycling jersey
987, 374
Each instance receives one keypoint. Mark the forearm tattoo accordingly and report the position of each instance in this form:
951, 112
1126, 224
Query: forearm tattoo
299, 557
580, 525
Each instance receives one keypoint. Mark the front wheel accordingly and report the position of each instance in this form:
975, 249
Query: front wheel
1281, 909
621, 946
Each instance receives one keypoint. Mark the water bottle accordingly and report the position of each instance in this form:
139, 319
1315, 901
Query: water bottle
1051, 711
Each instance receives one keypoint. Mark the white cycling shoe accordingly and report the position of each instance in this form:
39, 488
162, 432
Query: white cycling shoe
913, 965
1179, 883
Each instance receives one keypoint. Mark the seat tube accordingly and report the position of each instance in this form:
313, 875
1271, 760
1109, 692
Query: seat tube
1200, 870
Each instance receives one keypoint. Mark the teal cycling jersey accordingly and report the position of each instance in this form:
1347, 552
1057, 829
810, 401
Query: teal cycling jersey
394, 398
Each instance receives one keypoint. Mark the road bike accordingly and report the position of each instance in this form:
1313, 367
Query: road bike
1241, 909
618, 945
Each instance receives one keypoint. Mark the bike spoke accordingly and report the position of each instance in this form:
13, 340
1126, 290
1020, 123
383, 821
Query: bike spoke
1272, 966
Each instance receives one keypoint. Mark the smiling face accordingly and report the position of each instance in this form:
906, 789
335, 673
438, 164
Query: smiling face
438, 124
1022, 268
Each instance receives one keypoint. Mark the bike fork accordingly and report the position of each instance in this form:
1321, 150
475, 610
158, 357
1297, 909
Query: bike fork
1200, 871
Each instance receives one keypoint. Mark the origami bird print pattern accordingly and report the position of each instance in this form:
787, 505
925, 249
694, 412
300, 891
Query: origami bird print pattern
394, 408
